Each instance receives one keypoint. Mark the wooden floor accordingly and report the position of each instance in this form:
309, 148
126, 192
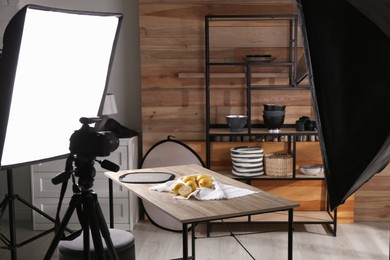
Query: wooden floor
363, 240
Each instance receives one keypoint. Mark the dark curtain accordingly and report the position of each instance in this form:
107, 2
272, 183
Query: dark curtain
347, 46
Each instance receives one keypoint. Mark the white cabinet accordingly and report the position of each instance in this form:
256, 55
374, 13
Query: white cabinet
45, 195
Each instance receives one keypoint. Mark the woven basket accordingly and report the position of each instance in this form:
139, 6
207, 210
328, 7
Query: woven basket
278, 164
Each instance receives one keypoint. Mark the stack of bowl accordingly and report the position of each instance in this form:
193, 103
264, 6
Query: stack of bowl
273, 116
247, 161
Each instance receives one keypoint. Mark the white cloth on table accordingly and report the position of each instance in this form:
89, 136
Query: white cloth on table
220, 191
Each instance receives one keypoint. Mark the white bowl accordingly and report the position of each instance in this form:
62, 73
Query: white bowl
311, 169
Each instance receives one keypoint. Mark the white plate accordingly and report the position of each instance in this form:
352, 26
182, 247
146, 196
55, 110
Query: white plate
311, 169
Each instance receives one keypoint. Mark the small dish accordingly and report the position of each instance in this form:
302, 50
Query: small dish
311, 169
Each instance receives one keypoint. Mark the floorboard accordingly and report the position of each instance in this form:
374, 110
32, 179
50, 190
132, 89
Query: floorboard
362, 240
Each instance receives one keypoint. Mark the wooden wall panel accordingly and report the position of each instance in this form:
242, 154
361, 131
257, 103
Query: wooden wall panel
172, 70
172, 46
373, 199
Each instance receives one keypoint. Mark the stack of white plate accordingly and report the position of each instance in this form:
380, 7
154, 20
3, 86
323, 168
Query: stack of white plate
247, 161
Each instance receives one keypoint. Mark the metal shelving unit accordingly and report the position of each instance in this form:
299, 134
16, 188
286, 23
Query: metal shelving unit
214, 130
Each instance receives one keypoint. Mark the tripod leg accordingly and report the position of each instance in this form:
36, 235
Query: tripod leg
68, 214
105, 232
85, 225
94, 226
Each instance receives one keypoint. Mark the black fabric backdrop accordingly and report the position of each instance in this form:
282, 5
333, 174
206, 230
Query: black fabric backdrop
347, 48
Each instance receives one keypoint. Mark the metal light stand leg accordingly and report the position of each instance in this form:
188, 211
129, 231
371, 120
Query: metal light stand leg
9, 201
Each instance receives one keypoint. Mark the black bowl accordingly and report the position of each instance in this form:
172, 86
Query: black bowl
274, 113
274, 107
236, 122
273, 122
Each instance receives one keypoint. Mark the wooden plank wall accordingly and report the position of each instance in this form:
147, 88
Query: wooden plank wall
373, 199
172, 65
173, 87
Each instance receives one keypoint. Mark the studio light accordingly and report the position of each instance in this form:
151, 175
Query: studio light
54, 69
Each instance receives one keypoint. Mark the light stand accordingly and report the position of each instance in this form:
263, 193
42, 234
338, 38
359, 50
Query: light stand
9, 200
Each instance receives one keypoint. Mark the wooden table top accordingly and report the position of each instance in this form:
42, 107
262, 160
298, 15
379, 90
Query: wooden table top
192, 210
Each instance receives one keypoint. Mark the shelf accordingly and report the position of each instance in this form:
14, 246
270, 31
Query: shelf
288, 136
257, 63
298, 176
251, 17
222, 75
279, 87
259, 131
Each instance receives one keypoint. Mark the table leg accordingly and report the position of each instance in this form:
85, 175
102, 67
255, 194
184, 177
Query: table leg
111, 202
193, 241
290, 234
185, 242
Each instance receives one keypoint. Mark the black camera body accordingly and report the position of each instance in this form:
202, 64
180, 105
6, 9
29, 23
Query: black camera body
87, 141
305, 124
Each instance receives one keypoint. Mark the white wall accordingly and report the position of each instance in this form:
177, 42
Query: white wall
124, 80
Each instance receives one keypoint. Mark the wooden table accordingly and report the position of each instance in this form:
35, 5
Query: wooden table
190, 212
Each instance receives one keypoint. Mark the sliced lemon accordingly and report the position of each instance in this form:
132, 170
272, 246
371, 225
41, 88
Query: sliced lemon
176, 187
192, 184
185, 190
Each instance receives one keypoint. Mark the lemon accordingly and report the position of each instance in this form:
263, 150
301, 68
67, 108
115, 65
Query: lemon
189, 178
185, 190
206, 183
176, 187
192, 184
202, 176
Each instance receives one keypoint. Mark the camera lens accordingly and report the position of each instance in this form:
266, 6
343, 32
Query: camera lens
112, 140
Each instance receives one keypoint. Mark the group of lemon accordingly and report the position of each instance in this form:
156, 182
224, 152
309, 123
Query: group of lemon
189, 183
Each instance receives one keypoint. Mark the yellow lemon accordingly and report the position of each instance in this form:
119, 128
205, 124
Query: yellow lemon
192, 184
206, 183
202, 176
189, 178
185, 190
176, 187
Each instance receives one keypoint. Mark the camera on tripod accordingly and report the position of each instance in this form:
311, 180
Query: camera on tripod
85, 144
87, 141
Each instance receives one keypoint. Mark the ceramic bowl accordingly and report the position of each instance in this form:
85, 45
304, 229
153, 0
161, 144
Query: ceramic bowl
236, 122
274, 107
311, 169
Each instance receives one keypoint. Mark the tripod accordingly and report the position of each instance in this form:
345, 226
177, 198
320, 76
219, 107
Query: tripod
90, 214
92, 219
